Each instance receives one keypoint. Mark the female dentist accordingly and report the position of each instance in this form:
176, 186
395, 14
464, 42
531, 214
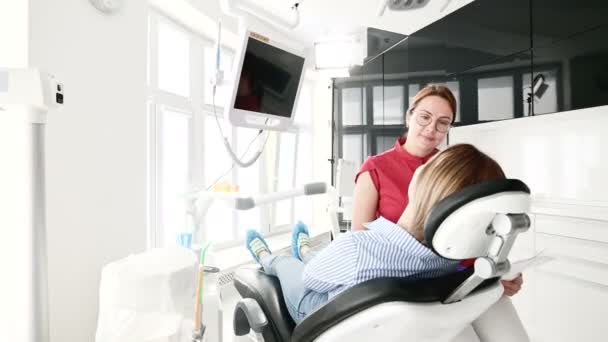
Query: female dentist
382, 182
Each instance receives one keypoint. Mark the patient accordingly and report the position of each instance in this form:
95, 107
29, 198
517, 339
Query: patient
309, 279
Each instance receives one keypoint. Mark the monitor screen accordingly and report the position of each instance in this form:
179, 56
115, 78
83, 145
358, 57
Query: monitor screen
268, 80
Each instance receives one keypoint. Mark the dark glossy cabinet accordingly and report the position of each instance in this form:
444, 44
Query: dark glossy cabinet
503, 60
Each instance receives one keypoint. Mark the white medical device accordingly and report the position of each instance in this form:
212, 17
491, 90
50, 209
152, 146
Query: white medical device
340, 197
198, 204
400, 5
242, 9
25, 98
268, 77
108, 6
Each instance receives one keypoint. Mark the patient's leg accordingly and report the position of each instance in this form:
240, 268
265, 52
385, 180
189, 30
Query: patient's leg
467, 335
306, 257
299, 300
500, 323
300, 243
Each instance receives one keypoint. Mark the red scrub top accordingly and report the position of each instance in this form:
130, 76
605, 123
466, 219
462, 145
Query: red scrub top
392, 172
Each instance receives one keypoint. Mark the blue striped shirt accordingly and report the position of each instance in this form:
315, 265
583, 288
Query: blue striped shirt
384, 250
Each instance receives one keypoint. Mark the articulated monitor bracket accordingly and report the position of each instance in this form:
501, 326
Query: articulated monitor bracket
504, 228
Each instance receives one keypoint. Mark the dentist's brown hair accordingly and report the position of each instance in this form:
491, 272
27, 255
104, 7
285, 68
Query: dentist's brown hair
432, 89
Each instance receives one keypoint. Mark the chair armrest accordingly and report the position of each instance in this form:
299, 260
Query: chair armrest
266, 291
248, 315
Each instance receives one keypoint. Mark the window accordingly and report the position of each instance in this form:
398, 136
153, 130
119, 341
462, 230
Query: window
495, 96
172, 123
174, 168
455, 88
285, 177
303, 206
173, 60
218, 165
354, 148
293, 172
384, 143
222, 93
412, 90
187, 152
388, 105
218, 169
353, 105
248, 178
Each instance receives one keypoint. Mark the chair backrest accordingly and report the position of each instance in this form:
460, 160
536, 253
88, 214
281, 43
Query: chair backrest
399, 321
379, 291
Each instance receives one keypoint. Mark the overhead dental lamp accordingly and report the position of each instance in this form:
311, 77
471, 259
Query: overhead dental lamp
286, 20
25, 98
400, 5
404, 5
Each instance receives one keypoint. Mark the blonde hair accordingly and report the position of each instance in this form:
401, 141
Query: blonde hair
451, 170
433, 89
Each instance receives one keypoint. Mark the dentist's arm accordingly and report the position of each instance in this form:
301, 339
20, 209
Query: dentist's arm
365, 201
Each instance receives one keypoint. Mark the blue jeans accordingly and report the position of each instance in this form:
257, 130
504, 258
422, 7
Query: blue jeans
299, 300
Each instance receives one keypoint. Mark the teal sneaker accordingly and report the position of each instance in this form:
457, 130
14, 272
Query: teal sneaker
299, 238
255, 244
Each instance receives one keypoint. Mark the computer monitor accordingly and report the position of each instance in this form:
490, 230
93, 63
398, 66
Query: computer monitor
268, 78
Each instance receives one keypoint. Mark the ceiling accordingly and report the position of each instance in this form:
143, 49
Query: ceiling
322, 18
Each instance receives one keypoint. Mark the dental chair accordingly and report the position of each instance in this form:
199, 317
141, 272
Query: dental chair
480, 222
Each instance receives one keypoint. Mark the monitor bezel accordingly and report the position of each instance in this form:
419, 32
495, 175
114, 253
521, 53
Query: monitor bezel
251, 119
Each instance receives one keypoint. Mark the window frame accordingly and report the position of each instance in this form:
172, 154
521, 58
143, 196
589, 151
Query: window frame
273, 228
202, 115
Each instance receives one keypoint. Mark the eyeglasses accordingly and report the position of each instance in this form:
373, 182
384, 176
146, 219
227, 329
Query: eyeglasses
424, 119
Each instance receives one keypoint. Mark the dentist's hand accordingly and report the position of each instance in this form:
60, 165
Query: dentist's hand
512, 286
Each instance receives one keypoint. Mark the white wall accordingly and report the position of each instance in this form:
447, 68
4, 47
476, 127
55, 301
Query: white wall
559, 155
562, 159
96, 150
13, 33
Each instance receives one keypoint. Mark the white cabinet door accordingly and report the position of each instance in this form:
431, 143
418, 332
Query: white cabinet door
570, 294
568, 308
524, 248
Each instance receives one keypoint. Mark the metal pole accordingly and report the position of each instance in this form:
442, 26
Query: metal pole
39, 241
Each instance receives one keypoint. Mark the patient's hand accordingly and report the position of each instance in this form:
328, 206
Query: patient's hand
512, 286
